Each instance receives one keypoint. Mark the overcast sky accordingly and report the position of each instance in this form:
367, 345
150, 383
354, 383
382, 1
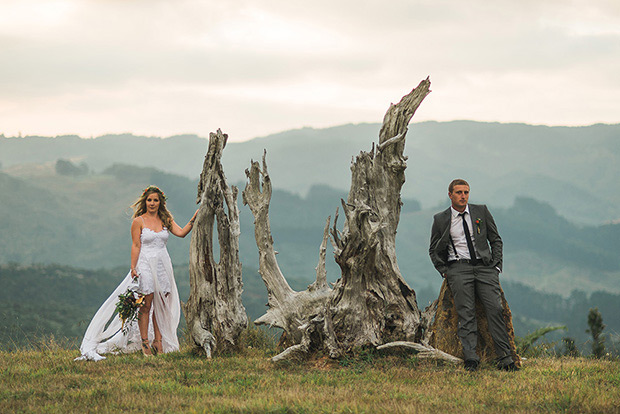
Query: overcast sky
251, 68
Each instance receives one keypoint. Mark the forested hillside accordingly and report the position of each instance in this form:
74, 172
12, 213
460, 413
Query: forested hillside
37, 301
64, 242
84, 221
66, 245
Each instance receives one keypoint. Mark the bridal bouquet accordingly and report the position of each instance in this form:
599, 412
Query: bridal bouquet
128, 307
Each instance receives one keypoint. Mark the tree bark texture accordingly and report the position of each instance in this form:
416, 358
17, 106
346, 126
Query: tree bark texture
214, 313
442, 334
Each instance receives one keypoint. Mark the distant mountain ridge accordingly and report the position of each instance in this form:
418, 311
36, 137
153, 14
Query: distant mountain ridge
572, 168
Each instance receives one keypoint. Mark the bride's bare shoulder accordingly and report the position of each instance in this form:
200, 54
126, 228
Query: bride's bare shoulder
137, 222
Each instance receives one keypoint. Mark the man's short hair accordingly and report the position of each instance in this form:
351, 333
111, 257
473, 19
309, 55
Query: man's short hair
458, 181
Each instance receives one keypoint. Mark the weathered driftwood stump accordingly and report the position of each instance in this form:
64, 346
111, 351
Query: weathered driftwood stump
214, 313
371, 304
301, 315
442, 333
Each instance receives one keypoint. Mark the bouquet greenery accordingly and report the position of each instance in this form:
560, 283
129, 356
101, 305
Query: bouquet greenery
128, 307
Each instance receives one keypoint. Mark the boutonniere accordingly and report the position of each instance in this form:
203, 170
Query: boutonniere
478, 221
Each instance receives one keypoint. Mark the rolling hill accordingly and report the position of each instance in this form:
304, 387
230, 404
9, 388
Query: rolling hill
571, 168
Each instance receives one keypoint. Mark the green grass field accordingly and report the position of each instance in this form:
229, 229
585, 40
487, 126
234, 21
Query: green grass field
47, 380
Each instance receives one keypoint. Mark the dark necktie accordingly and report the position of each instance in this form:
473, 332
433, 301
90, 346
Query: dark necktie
470, 245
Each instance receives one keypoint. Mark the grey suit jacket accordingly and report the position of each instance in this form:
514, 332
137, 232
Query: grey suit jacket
487, 240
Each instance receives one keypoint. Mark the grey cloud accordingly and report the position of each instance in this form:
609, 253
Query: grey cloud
127, 47
38, 69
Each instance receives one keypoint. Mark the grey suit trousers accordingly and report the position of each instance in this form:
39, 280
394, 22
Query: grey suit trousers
467, 281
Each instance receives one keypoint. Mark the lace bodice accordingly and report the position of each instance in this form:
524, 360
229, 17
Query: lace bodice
153, 241
150, 264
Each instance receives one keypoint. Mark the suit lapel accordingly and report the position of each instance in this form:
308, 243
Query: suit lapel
475, 214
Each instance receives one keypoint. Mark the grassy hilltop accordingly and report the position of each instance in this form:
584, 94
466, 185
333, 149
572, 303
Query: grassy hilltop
48, 380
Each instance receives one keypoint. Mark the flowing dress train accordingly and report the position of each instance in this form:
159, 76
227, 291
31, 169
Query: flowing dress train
104, 334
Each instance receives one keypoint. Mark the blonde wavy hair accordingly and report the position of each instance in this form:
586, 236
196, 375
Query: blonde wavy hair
139, 207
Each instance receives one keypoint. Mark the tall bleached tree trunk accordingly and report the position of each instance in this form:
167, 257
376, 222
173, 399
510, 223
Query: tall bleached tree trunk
214, 313
371, 304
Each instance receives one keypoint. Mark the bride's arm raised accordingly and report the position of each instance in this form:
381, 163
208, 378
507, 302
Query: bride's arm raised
136, 244
182, 232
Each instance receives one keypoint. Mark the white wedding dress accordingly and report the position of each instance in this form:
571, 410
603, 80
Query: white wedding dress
104, 334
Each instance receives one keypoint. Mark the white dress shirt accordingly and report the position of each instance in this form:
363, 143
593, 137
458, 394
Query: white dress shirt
458, 235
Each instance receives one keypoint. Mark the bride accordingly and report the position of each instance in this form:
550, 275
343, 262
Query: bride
150, 275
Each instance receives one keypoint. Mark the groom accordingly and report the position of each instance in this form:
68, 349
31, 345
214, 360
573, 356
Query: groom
466, 250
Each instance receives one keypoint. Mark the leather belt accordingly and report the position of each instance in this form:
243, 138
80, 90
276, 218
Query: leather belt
468, 261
